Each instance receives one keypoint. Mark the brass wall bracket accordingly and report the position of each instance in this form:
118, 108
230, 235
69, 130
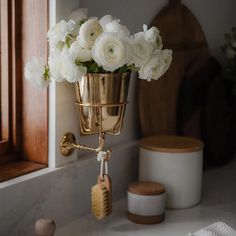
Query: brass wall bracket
68, 145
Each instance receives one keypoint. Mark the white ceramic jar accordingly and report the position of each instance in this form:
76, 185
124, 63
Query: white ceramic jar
146, 202
175, 162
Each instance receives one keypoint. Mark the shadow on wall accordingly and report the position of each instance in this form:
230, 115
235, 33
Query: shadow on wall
192, 98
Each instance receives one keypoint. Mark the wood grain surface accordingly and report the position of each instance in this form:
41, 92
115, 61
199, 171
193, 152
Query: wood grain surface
147, 220
34, 26
171, 144
146, 188
158, 100
18, 168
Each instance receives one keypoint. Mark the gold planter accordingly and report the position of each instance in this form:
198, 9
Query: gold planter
101, 101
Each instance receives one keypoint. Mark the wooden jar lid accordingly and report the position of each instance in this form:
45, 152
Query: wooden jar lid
146, 188
171, 144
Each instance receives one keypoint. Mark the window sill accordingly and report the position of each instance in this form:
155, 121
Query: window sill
17, 168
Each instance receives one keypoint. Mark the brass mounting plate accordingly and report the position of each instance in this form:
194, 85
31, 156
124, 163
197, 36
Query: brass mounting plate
66, 144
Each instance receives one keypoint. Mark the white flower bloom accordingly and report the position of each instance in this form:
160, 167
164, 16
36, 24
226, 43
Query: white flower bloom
55, 62
107, 19
142, 49
152, 35
35, 73
80, 53
111, 51
89, 31
79, 15
167, 57
59, 32
69, 70
156, 66
116, 27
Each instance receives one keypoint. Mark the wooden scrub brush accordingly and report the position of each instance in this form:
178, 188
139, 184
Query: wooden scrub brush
101, 197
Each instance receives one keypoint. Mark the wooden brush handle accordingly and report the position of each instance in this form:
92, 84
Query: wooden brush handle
107, 181
45, 227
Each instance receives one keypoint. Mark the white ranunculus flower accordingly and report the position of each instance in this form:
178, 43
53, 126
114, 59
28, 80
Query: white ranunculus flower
80, 53
59, 32
35, 73
79, 15
152, 35
55, 62
167, 57
111, 51
69, 70
115, 27
156, 66
142, 49
107, 19
89, 31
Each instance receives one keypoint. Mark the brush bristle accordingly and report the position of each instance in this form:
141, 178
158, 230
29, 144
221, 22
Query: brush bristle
100, 200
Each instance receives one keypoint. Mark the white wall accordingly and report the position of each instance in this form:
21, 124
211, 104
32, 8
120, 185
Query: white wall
216, 18
62, 117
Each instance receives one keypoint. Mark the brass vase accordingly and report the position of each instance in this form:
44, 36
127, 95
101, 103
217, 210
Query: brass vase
101, 101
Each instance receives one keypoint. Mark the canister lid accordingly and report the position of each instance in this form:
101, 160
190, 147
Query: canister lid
176, 144
146, 188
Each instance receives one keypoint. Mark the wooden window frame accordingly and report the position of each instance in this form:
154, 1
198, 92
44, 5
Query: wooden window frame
24, 145
6, 131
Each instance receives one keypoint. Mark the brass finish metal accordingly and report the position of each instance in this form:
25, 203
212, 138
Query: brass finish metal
67, 144
101, 102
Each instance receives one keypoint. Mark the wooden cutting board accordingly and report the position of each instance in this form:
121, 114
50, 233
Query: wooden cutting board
157, 100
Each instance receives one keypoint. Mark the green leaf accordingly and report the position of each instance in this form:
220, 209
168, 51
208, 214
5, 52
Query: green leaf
124, 69
68, 42
46, 73
82, 21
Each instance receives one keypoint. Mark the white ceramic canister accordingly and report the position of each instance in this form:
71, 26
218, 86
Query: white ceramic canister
175, 162
146, 202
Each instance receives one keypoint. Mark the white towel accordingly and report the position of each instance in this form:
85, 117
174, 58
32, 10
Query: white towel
216, 229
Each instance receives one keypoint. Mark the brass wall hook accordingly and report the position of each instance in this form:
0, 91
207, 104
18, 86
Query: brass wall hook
68, 145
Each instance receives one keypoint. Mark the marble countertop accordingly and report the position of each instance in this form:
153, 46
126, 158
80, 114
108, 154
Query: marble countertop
218, 204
